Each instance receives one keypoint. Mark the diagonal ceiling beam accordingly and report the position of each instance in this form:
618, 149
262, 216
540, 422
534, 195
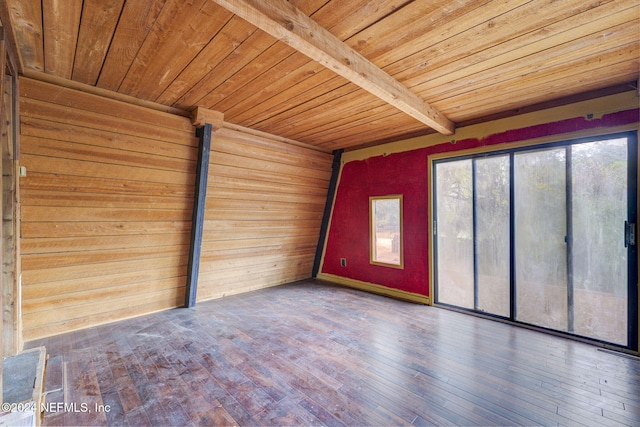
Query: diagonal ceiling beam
288, 24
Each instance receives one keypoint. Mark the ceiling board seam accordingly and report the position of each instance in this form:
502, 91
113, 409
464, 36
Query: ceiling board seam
113, 34
299, 76
312, 98
282, 61
548, 85
381, 18
154, 30
528, 33
207, 74
443, 75
291, 120
44, 56
75, 51
142, 43
11, 37
209, 92
195, 57
453, 35
445, 19
318, 43
276, 41
524, 71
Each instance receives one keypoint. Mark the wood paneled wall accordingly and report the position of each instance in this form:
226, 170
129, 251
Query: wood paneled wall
265, 199
106, 208
11, 317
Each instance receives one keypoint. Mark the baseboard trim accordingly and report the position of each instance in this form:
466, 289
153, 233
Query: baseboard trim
376, 289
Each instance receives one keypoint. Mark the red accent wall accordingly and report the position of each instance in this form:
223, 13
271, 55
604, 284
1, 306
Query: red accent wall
406, 173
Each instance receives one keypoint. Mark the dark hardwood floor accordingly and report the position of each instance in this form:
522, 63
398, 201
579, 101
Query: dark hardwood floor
310, 353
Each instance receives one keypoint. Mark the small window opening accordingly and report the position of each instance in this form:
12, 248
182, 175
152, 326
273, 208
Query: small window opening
386, 230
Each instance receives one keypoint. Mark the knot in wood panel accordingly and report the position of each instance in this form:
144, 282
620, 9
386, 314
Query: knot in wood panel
288, 25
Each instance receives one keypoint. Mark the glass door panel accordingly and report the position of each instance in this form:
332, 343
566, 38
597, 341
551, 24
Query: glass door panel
492, 241
540, 231
543, 236
454, 198
599, 182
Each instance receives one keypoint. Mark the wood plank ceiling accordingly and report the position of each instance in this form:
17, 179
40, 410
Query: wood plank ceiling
466, 59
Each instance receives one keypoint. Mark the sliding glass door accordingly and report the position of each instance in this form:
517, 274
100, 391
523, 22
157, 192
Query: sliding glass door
543, 236
473, 234
492, 211
455, 233
599, 271
540, 238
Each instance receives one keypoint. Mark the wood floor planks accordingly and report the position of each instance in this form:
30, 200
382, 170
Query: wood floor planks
310, 353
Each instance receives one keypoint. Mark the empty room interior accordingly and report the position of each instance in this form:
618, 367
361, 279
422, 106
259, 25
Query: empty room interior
320, 212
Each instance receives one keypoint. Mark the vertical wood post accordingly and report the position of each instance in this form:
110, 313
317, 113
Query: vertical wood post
3, 67
326, 216
197, 223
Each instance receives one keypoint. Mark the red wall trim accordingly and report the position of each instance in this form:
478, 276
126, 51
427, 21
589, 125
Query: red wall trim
406, 173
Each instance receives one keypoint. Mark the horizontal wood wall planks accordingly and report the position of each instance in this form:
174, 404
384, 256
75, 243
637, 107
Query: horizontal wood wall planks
106, 208
264, 207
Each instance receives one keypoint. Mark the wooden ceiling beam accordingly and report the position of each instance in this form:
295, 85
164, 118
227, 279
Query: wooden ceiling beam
285, 22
